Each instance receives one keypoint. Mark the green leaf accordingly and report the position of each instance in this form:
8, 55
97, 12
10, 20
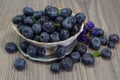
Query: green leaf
96, 54
34, 19
59, 12
57, 25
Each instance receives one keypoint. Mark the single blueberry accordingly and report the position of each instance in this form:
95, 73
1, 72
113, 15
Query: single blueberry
103, 40
88, 59
28, 11
28, 21
90, 24
111, 44
54, 37
81, 49
80, 18
44, 37
60, 51
55, 67
27, 32
114, 38
37, 28
19, 64
64, 34
106, 53
98, 32
24, 45
18, 19
11, 47
67, 64
65, 12
41, 51
75, 56
48, 27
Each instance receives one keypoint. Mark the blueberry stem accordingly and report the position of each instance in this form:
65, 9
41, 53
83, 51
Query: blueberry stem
59, 12
34, 19
57, 25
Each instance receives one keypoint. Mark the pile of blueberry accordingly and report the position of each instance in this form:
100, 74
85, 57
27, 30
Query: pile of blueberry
53, 25
48, 25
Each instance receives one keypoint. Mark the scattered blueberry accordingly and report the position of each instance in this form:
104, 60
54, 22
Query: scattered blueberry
55, 67
37, 28
44, 37
27, 32
90, 24
81, 49
28, 11
64, 34
54, 37
67, 64
111, 44
75, 56
95, 43
106, 53
11, 47
41, 51
103, 40
19, 64
65, 12
60, 51
114, 38
98, 32
88, 59
24, 45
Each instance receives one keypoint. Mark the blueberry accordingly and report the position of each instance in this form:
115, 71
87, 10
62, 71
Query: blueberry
69, 22
48, 27
37, 15
75, 56
55, 67
28, 21
95, 43
19, 64
64, 34
37, 28
88, 59
74, 30
41, 51
48, 7
44, 37
65, 12
80, 18
111, 44
24, 45
54, 37
18, 19
98, 32
106, 53
67, 64
90, 25
32, 50
114, 38
28, 11
81, 49
52, 12
27, 32
36, 38
43, 19
11, 47
103, 40
59, 20
20, 28
60, 51
83, 38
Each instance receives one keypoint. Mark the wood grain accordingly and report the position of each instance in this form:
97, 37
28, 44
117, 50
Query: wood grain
105, 14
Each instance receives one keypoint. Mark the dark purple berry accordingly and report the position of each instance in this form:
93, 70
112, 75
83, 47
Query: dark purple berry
28, 11
98, 32
41, 51
55, 67
18, 19
24, 46
11, 47
19, 64
44, 37
32, 50
103, 40
37, 15
111, 44
37, 28
114, 38
88, 59
60, 51
28, 21
65, 12
75, 56
90, 25
106, 53
64, 34
80, 18
43, 19
54, 37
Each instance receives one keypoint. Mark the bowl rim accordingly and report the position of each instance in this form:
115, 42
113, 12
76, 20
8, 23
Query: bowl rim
36, 42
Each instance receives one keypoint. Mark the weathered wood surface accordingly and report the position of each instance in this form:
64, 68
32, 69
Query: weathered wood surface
105, 14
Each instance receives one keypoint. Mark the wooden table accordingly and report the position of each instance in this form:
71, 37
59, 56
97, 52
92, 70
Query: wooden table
105, 14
